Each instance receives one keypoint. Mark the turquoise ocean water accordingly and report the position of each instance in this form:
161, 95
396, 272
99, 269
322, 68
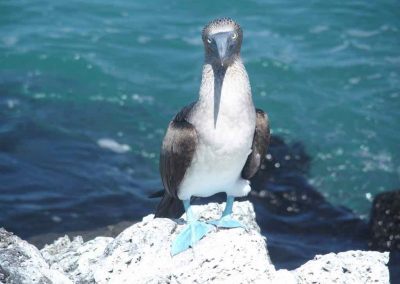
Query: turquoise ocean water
87, 89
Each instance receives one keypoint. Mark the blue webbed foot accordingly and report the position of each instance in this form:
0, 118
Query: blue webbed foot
227, 222
191, 234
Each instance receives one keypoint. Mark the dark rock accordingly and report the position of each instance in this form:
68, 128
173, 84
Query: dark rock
385, 229
385, 221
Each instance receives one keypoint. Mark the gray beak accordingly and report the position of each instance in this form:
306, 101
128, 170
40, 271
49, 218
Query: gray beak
221, 40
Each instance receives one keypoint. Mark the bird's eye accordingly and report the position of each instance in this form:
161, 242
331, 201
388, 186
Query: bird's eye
209, 40
234, 35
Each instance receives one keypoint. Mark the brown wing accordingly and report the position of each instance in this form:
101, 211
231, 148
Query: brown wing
177, 151
259, 147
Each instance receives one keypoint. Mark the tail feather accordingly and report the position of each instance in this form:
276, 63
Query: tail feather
169, 207
157, 194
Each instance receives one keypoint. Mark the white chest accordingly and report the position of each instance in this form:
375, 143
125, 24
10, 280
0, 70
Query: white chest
225, 124
224, 116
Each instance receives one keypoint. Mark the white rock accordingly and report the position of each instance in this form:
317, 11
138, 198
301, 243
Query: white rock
21, 262
346, 267
141, 254
76, 259
284, 276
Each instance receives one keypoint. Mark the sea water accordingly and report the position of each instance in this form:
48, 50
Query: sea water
87, 89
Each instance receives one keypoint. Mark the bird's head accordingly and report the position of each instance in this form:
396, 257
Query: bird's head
222, 40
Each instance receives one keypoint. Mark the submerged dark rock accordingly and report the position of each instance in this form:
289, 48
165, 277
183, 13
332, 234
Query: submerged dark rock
299, 222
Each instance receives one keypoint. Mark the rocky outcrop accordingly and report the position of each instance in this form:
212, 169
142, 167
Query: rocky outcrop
21, 262
141, 254
385, 221
345, 267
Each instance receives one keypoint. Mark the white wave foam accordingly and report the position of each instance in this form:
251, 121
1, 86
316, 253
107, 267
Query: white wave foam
112, 145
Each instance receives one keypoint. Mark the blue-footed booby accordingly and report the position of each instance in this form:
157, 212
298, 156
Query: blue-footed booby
217, 143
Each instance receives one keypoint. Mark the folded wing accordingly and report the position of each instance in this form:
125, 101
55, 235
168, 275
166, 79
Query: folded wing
177, 153
259, 146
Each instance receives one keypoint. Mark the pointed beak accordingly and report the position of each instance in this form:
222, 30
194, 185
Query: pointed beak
221, 41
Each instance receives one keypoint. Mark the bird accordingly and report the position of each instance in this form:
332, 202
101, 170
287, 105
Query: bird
217, 143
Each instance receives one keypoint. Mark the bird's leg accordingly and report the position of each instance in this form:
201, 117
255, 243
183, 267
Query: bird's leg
228, 206
226, 220
194, 231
